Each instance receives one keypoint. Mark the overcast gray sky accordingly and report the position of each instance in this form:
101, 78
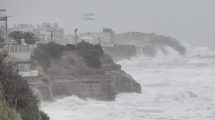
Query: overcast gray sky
186, 20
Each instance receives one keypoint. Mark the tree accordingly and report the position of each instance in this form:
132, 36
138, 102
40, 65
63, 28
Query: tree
91, 53
7, 113
52, 49
17, 92
17, 36
99, 48
1, 40
92, 58
44, 53
29, 37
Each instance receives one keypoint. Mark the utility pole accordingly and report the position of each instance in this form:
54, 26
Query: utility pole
6, 37
50, 30
3, 17
51, 35
76, 36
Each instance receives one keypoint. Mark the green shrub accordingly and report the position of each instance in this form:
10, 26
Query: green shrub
17, 92
45, 52
1, 40
17, 36
91, 53
70, 47
41, 56
52, 49
7, 113
92, 57
44, 116
99, 48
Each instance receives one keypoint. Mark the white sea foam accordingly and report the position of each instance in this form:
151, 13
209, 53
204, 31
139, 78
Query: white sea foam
173, 88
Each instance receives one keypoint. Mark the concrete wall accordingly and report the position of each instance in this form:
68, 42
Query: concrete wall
100, 90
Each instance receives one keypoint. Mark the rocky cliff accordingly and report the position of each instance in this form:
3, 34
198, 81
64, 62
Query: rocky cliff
148, 44
70, 75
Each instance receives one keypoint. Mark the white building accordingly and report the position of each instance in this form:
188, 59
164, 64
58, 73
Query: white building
24, 27
21, 55
50, 33
46, 32
68, 39
104, 38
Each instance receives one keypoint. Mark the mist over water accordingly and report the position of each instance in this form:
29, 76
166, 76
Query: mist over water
174, 87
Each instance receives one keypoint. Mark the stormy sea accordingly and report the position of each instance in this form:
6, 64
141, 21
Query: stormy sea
174, 87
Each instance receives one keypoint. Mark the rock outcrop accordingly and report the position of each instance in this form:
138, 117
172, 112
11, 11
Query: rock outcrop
70, 75
130, 44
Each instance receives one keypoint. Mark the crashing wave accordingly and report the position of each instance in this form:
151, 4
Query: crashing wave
203, 52
150, 44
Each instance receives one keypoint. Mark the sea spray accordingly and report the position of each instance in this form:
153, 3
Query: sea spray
172, 88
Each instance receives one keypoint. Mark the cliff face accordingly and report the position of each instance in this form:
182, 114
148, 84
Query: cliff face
70, 75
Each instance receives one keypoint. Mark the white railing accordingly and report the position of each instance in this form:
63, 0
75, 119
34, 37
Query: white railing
29, 74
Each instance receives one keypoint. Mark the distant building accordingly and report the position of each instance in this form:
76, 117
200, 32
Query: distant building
69, 39
24, 27
110, 33
46, 32
104, 38
50, 33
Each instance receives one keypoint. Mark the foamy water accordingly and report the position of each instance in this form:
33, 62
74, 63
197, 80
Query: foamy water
172, 89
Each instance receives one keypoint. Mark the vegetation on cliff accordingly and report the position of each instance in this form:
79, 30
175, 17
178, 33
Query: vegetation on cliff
7, 113
89, 52
45, 52
1, 40
17, 93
